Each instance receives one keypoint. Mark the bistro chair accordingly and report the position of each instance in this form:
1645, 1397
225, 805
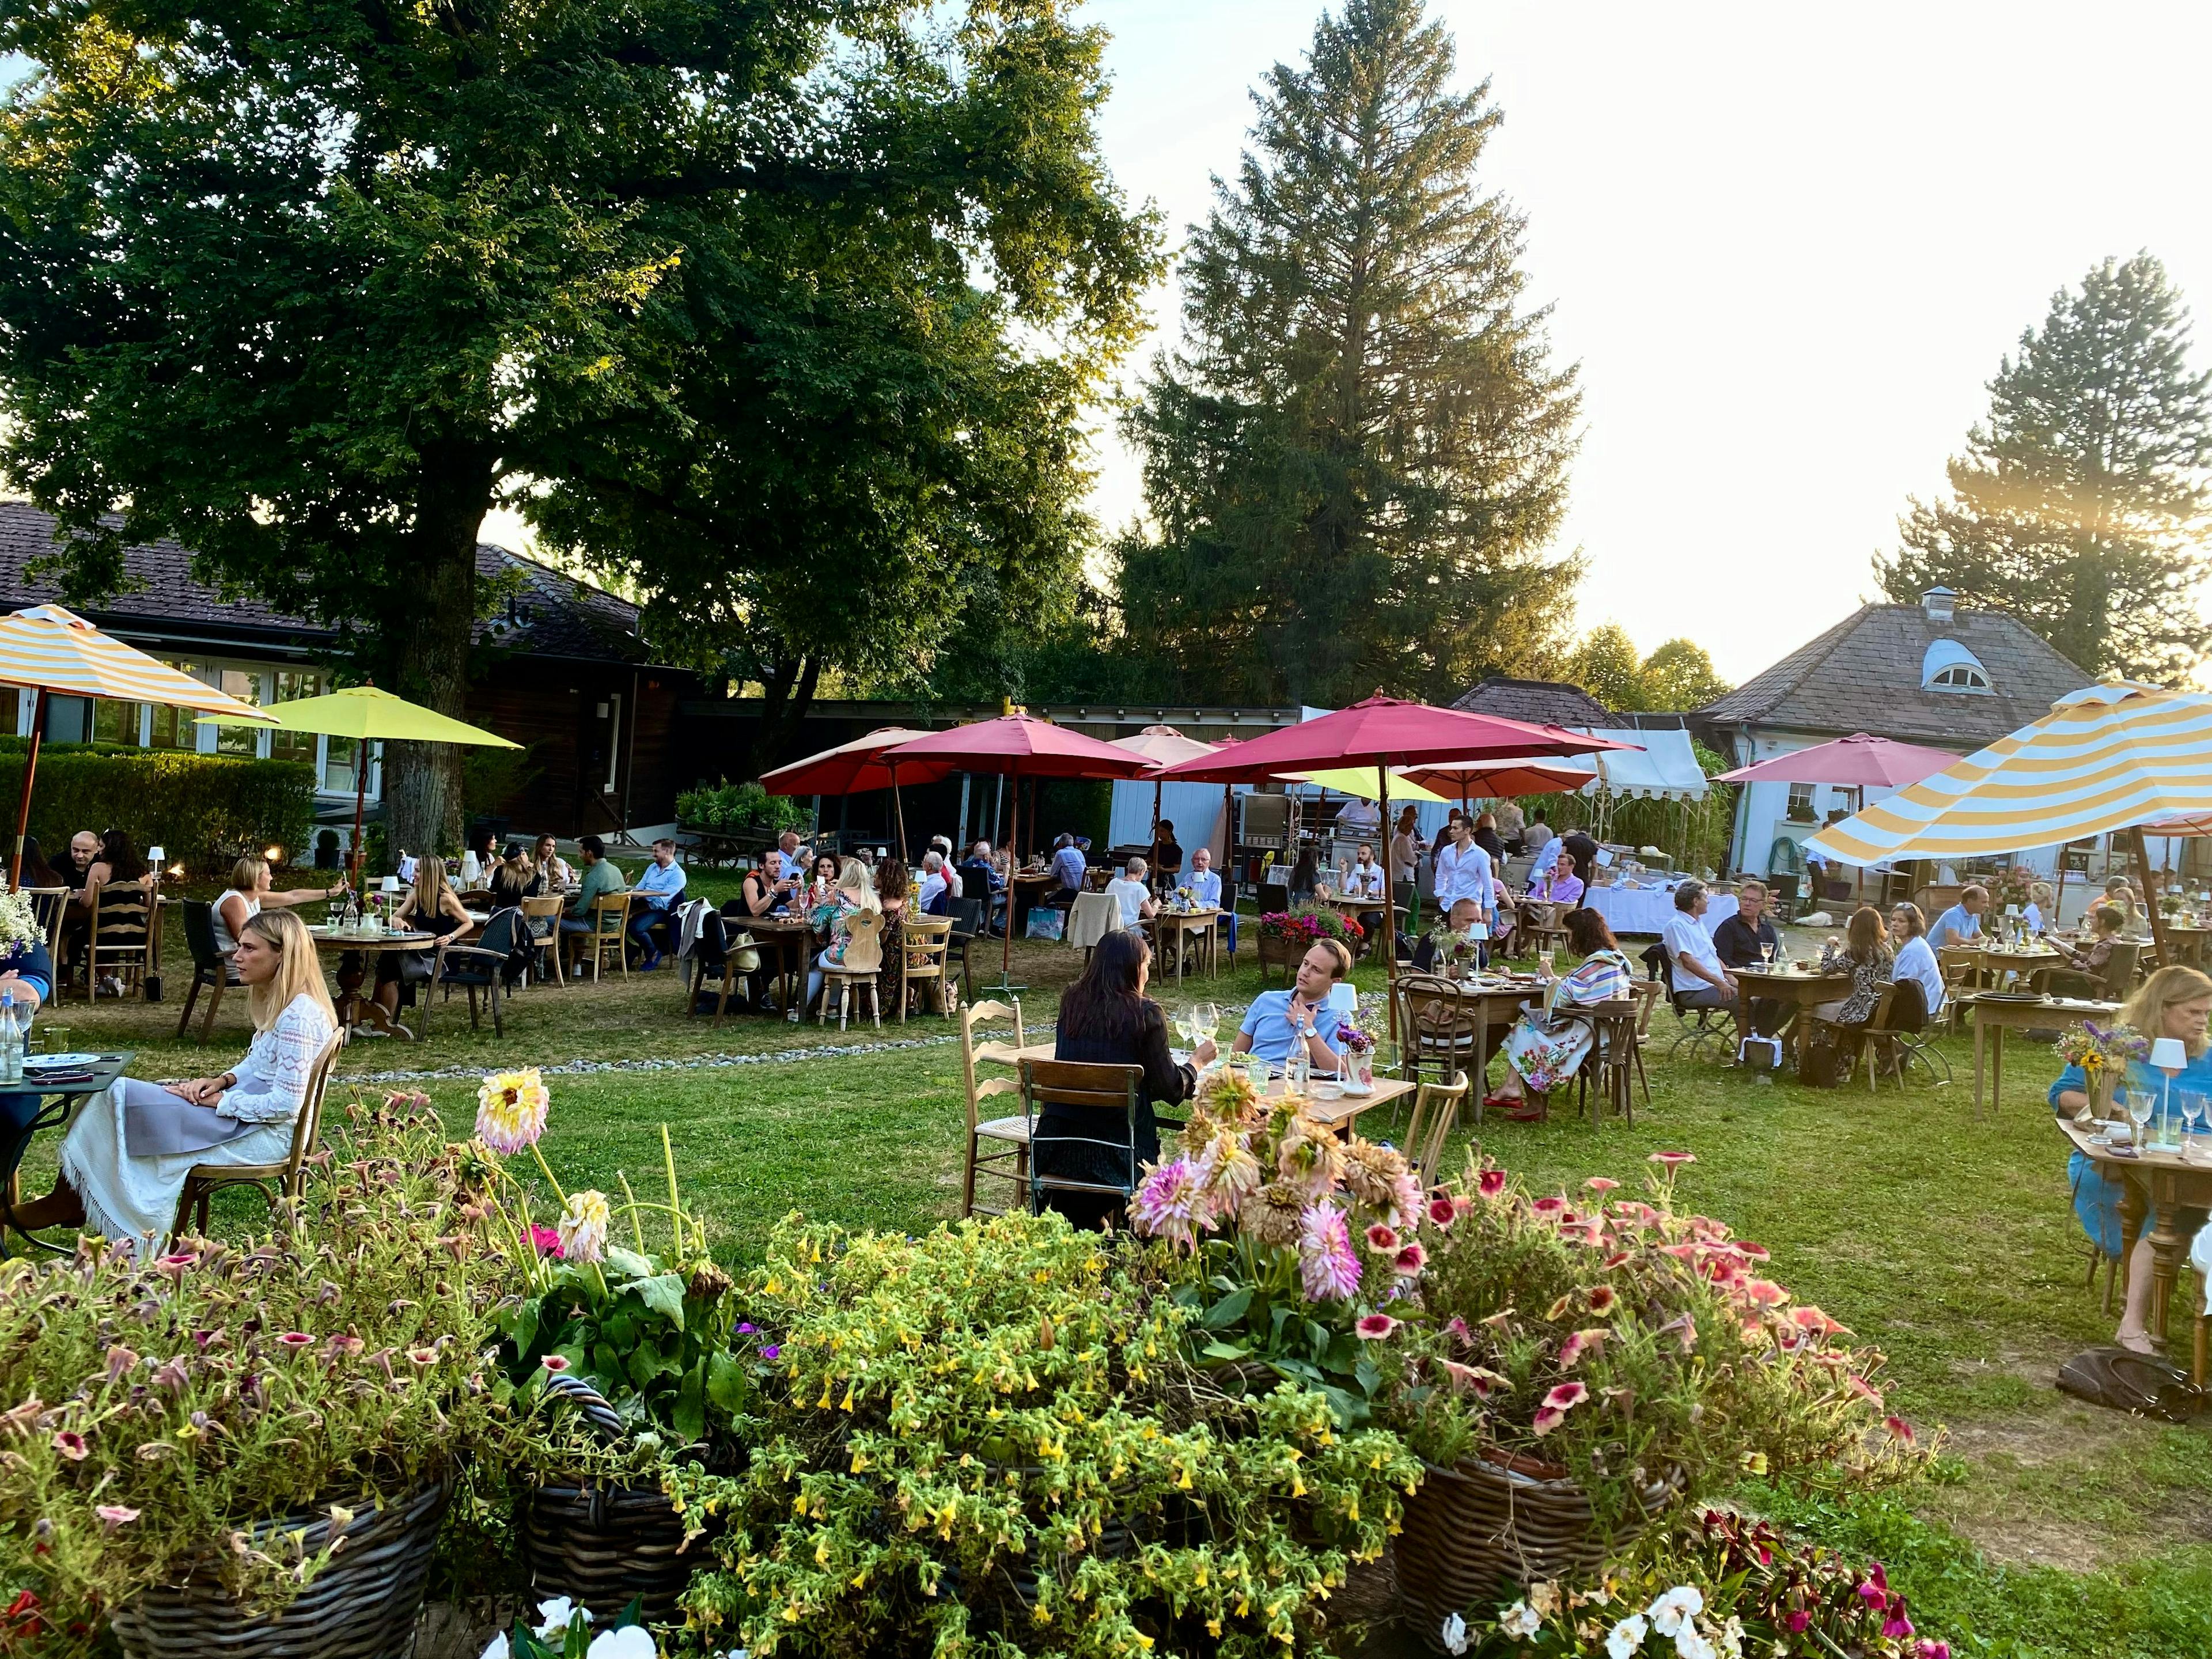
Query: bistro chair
120, 941
542, 916
479, 967
862, 961
206, 1180
1010, 1134
211, 966
1699, 1026
1436, 1030
1901, 1021
609, 917
1436, 1110
1614, 1056
722, 963
1100, 1093
1543, 926
925, 944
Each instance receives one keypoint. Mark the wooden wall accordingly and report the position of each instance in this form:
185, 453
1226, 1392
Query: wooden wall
554, 708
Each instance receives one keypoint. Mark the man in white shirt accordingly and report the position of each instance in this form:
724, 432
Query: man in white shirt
1701, 980
1206, 888
1463, 873
934, 889
1129, 891
1962, 921
1359, 817
1365, 881
1915, 961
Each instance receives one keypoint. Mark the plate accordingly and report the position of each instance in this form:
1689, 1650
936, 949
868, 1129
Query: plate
55, 1062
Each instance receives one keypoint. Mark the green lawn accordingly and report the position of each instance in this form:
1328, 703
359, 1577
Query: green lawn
2051, 1528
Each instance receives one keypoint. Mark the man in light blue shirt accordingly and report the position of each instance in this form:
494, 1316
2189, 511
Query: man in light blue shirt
1068, 869
1279, 1022
658, 887
1206, 888
1962, 921
1546, 861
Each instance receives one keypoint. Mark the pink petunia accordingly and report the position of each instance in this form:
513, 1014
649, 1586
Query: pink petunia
1618, 1259
1864, 1390
546, 1241
1896, 1627
1456, 1330
1490, 1182
1931, 1650
1672, 1161
1566, 1396
1442, 1213
1752, 1252
1409, 1260
1602, 1299
1766, 1292
1581, 1343
1376, 1328
112, 1515
70, 1444
1550, 1209
296, 1340
555, 1363
1600, 1184
1899, 1427
1813, 1319
1547, 1418
1382, 1240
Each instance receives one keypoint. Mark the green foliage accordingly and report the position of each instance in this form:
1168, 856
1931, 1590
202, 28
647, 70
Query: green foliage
492, 779
202, 809
733, 806
1356, 459
985, 1443
155, 1408
2080, 503
1677, 676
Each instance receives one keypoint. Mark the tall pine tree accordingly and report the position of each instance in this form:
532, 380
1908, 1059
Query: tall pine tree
2081, 503
1354, 462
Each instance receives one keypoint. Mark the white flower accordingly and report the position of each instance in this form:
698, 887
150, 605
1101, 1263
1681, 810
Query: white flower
496, 1649
583, 1229
553, 1616
630, 1642
1544, 1596
1668, 1612
1626, 1637
1455, 1634
1521, 1620
1689, 1645
1731, 1638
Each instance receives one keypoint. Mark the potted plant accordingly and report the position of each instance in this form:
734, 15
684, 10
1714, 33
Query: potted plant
634, 1334
247, 1448
1286, 935
1580, 1365
985, 1439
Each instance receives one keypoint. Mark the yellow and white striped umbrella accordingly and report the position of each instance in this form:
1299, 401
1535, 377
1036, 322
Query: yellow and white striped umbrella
2105, 758
47, 649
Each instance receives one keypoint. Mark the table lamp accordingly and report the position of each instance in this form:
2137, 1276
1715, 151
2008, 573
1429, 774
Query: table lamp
2167, 1055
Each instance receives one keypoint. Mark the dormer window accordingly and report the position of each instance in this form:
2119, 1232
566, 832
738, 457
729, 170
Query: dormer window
1949, 666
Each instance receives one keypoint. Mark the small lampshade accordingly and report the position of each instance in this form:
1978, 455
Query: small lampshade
2167, 1055
156, 854
391, 883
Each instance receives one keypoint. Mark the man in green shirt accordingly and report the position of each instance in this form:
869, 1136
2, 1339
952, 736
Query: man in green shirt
601, 876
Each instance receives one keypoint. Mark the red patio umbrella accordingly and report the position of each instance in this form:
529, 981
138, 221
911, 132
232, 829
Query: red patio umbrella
1516, 775
1161, 745
1382, 732
1018, 746
1857, 761
860, 768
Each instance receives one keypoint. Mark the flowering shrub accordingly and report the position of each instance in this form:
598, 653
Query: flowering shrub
155, 1409
1730, 1587
1292, 1238
1302, 926
984, 1440
1624, 1345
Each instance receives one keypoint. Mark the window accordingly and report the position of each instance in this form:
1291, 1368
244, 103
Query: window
245, 684
614, 741
1961, 678
338, 766
115, 722
1949, 666
1801, 803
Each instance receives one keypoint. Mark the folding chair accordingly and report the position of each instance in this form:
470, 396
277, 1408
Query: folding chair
1698, 1024
1013, 1132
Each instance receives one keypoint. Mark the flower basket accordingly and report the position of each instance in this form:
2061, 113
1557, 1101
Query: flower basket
372, 1587
1278, 957
1469, 1528
603, 1545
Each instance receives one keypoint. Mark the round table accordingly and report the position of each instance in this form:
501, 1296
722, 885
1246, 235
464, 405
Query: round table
354, 1009
1803, 992
2157, 1186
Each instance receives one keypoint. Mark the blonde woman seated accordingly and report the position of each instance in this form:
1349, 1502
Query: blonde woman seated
1864, 955
125, 1158
1545, 1050
856, 891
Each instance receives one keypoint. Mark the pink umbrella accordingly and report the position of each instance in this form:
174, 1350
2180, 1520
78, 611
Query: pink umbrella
1162, 745
1854, 763
1016, 746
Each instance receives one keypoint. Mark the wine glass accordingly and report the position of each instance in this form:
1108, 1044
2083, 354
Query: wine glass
1766, 952
1207, 1019
2192, 1113
2141, 1104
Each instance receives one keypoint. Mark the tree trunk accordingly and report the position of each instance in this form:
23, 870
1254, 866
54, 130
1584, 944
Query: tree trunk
787, 694
431, 632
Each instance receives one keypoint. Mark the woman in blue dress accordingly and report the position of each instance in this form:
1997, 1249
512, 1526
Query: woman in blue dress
2173, 1002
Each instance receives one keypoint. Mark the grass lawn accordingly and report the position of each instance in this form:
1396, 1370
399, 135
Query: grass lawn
2051, 1528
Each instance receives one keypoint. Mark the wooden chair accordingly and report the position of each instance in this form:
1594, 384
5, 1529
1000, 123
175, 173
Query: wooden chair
862, 961
1542, 925
1011, 1133
1100, 1091
1901, 1021
121, 940
1862, 1039
732, 975
1648, 993
1614, 1057
546, 910
50, 905
967, 928
211, 966
206, 1180
610, 917
1436, 1110
925, 946
1435, 1031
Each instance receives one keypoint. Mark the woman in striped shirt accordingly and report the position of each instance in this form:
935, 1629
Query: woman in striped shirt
1549, 1045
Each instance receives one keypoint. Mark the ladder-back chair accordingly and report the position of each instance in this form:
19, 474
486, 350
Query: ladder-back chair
1011, 1133
206, 1180
857, 968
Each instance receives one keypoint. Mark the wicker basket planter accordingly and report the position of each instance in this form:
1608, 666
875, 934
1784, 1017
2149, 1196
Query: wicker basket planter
1470, 1529
1279, 957
363, 1606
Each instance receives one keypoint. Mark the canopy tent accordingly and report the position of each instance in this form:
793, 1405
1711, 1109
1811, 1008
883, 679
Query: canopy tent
365, 714
45, 648
1018, 746
1858, 761
2106, 757
1382, 732
861, 767
1631, 763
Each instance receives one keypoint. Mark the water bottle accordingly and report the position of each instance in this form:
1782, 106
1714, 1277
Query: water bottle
11, 1041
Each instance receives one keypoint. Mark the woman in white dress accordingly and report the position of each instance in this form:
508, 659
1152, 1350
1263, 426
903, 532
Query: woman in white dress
125, 1160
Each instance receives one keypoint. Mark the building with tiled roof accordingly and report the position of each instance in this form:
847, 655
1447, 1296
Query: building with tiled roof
565, 670
1542, 703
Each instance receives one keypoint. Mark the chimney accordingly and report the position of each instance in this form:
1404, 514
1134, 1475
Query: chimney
1939, 603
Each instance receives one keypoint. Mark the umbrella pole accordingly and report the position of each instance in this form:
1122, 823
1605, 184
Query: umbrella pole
30, 772
898, 812
1389, 904
360, 803
1157, 787
2150, 893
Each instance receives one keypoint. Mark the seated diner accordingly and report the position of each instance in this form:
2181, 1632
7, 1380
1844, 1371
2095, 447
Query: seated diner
1547, 1046
1914, 960
1962, 923
1303, 1018
249, 894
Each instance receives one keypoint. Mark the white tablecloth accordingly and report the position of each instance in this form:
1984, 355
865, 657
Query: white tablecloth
1648, 909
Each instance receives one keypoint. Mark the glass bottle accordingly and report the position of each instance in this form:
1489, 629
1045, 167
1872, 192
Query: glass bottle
11, 1041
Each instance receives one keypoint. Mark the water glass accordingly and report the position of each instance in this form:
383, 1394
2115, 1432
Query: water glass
1544, 960
2141, 1104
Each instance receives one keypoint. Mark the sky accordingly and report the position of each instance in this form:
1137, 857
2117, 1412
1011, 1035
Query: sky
1787, 246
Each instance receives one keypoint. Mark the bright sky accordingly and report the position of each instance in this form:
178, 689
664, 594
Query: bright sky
1787, 245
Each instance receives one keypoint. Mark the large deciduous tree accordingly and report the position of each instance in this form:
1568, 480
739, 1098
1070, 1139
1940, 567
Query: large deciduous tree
2079, 505
311, 285
1353, 463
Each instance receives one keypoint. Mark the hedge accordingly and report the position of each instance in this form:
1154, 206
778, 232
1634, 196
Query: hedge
199, 809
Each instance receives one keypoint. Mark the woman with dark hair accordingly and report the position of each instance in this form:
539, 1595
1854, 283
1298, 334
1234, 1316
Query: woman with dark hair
1866, 956
1549, 1045
1106, 1019
118, 860
36, 871
891, 878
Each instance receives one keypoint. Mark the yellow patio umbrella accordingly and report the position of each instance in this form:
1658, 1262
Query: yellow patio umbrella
47, 648
2106, 757
365, 714
1357, 781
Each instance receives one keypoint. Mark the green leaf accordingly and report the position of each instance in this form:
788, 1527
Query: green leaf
1228, 1310
626, 1264
664, 1294
690, 1417
622, 1329
726, 1382
1225, 1350
520, 1323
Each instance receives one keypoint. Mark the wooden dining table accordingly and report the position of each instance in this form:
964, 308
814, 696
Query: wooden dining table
1170, 927
2156, 1185
1998, 1011
1803, 991
793, 937
357, 1009
1339, 1113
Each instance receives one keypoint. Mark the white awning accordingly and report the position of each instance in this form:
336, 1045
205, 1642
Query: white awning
1665, 769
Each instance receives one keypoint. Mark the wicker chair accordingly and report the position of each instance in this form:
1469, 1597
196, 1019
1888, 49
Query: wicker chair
206, 1180
1013, 1133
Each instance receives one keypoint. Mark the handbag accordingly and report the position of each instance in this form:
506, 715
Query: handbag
2129, 1382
